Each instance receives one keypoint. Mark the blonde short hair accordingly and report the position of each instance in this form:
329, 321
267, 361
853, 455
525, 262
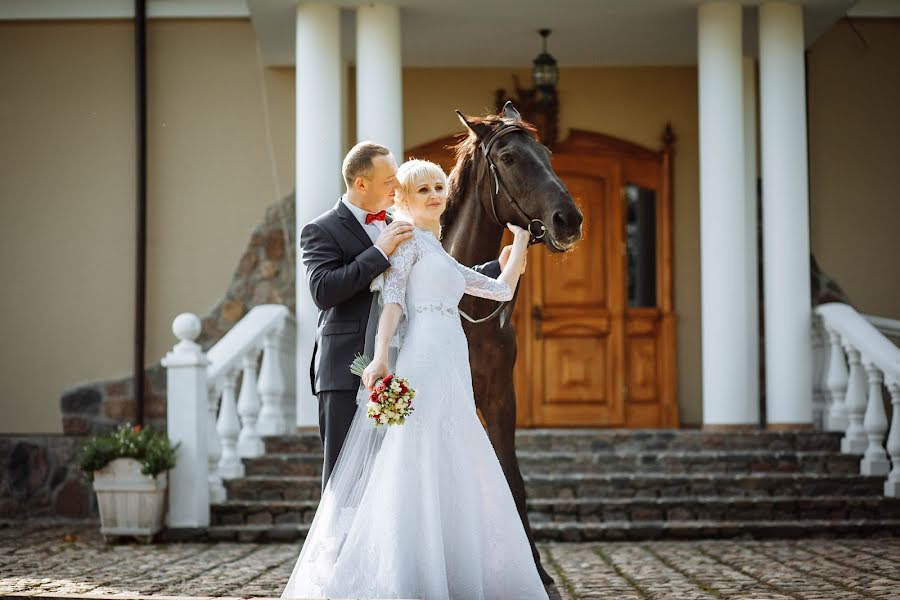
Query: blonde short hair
413, 172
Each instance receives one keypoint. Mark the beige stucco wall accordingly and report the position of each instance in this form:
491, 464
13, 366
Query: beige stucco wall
67, 188
854, 124
66, 180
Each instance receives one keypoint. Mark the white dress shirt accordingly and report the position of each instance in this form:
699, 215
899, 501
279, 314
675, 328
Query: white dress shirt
373, 229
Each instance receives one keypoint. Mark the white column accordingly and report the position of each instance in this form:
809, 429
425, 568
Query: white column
379, 90
319, 151
727, 376
785, 215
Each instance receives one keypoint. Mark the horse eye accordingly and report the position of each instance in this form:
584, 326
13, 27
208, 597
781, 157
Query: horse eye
506, 158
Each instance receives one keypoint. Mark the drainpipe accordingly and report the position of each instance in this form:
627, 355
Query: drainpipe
140, 95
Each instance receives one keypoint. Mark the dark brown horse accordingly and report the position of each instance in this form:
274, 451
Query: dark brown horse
503, 175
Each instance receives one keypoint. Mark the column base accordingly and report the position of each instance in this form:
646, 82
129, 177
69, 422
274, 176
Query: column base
727, 427
790, 427
878, 466
836, 422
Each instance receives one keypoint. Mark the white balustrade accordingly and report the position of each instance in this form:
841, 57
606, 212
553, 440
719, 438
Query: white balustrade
214, 448
875, 425
228, 428
862, 362
273, 387
249, 444
214, 427
892, 485
820, 351
854, 441
836, 383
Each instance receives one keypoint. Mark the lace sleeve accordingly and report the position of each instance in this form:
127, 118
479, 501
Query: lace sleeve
395, 278
483, 286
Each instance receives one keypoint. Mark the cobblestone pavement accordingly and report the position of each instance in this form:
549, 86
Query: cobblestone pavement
53, 559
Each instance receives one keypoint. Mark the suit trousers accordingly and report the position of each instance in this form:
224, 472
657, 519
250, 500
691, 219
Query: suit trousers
336, 410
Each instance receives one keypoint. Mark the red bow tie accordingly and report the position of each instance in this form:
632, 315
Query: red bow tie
379, 216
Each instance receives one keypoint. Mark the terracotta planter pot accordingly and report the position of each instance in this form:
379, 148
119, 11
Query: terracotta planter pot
130, 502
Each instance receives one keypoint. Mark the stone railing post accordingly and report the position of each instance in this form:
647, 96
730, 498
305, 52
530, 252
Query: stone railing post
214, 450
875, 462
892, 485
228, 428
272, 387
836, 383
249, 444
820, 352
854, 440
187, 424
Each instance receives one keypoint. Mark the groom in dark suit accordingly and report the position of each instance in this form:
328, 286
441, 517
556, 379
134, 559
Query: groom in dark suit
343, 250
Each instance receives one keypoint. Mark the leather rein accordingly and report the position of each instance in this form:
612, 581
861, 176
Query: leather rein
495, 193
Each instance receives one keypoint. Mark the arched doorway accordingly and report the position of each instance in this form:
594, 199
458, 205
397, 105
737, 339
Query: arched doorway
596, 327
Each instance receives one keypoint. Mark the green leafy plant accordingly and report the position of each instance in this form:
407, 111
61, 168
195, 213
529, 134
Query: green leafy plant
150, 448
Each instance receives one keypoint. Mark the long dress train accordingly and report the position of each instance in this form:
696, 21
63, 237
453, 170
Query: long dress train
431, 515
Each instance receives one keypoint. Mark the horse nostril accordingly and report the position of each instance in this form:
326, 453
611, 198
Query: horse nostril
559, 221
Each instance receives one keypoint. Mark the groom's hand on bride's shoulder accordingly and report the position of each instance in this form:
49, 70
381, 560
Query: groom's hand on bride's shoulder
393, 235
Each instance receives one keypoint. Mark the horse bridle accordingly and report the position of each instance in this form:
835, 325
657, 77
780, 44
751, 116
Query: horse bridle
495, 192
495, 189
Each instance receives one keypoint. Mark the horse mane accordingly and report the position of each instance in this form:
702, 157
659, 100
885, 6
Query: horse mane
466, 151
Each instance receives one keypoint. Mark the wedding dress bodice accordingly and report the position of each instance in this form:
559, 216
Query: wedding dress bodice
423, 278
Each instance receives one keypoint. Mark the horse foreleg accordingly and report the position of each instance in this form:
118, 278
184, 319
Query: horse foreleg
500, 415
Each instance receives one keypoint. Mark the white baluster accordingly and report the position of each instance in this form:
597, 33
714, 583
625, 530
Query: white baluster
836, 383
892, 485
228, 427
216, 489
272, 378
875, 425
249, 444
187, 423
855, 441
818, 338
288, 345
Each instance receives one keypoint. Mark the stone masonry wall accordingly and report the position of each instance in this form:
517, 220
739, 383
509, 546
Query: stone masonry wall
264, 275
40, 478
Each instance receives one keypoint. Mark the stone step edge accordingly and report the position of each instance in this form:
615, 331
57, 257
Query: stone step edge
600, 454
593, 500
313, 433
31, 595
698, 524
576, 525
567, 477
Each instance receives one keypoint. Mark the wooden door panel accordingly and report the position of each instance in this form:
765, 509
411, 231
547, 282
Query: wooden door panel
576, 370
580, 277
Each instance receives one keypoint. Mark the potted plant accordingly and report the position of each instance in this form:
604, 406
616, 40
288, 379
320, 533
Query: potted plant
129, 469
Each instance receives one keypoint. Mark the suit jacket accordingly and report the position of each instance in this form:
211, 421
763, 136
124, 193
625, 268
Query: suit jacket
341, 262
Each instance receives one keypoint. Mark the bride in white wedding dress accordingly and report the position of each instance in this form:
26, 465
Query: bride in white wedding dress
422, 510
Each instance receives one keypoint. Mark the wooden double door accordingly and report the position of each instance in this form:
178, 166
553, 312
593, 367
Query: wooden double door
595, 326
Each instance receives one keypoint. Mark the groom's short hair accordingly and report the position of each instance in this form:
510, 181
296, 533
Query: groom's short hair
358, 162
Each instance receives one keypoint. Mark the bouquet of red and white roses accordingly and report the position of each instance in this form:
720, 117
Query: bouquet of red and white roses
390, 402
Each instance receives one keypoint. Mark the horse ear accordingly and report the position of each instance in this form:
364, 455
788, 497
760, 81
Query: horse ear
509, 112
479, 130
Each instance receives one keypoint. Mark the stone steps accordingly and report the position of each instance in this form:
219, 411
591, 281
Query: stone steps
623, 440
600, 509
616, 484
573, 531
668, 461
549, 486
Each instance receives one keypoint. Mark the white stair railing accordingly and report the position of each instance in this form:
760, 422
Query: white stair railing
858, 363
215, 424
